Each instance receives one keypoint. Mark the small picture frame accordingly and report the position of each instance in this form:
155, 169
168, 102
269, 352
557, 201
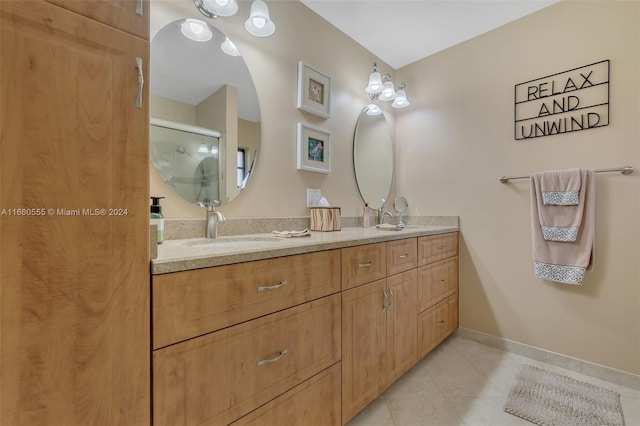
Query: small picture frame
314, 149
314, 91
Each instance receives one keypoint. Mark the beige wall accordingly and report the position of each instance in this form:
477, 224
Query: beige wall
457, 139
277, 189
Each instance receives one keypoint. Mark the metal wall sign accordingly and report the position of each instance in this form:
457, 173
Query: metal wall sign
569, 101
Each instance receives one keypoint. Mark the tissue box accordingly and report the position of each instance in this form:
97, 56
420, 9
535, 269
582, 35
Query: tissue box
325, 219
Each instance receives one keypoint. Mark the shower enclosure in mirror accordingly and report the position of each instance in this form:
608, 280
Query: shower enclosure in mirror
205, 131
373, 156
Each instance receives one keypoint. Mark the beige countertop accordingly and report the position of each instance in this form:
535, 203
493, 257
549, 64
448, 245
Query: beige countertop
195, 253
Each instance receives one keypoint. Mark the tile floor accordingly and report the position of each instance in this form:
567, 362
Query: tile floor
462, 382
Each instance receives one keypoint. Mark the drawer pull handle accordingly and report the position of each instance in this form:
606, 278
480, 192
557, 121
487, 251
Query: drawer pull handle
139, 8
365, 265
274, 359
440, 281
441, 323
272, 287
392, 298
440, 247
403, 256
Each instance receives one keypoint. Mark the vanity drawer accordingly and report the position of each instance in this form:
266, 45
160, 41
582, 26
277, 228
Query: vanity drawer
314, 402
436, 324
402, 255
363, 264
191, 303
437, 247
437, 282
218, 378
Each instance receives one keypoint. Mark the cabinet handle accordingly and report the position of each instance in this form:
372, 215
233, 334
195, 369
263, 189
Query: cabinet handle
440, 281
440, 247
440, 323
140, 83
270, 360
403, 256
392, 298
272, 287
386, 300
139, 8
365, 265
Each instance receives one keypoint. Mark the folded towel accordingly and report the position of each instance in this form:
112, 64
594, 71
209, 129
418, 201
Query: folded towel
291, 234
559, 218
561, 187
563, 261
387, 227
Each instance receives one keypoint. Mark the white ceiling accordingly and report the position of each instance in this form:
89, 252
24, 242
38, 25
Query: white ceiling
403, 31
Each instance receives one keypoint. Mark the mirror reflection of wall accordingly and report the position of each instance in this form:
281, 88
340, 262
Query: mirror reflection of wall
197, 84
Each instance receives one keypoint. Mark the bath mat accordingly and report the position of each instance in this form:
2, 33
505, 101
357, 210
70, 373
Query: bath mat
551, 399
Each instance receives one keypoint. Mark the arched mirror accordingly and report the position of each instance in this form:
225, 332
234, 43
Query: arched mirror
373, 157
205, 118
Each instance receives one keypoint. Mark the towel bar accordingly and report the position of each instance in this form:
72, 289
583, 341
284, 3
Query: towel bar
625, 170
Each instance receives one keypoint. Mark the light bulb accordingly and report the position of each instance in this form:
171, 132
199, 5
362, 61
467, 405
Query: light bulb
373, 109
259, 22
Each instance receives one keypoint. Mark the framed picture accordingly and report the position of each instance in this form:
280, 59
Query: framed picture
314, 149
314, 91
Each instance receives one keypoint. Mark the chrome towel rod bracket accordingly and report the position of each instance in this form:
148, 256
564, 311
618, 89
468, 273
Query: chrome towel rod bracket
625, 170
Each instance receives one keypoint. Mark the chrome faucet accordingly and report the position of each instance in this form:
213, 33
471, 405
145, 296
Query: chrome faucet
213, 218
382, 213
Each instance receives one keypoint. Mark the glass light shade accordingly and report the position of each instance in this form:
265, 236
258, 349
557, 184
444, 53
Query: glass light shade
259, 23
229, 47
373, 109
221, 7
388, 93
401, 100
375, 83
196, 30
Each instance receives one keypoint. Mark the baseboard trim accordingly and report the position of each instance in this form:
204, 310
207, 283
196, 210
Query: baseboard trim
584, 367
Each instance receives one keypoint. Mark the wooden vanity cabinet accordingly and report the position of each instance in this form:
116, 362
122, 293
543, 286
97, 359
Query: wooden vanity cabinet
74, 246
379, 337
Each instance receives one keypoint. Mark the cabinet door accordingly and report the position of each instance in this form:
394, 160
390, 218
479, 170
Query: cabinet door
402, 324
131, 16
436, 323
74, 337
363, 346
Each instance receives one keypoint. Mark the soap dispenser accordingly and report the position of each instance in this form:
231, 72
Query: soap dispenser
365, 216
157, 218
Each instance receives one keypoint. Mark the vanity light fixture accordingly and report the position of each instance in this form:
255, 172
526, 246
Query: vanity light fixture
196, 30
259, 23
381, 87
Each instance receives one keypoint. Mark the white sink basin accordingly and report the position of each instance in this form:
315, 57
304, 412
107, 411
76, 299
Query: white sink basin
231, 242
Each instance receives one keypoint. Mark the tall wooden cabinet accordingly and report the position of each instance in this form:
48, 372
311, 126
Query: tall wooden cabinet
74, 250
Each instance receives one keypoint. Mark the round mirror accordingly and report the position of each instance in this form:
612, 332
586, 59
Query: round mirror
205, 117
373, 157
